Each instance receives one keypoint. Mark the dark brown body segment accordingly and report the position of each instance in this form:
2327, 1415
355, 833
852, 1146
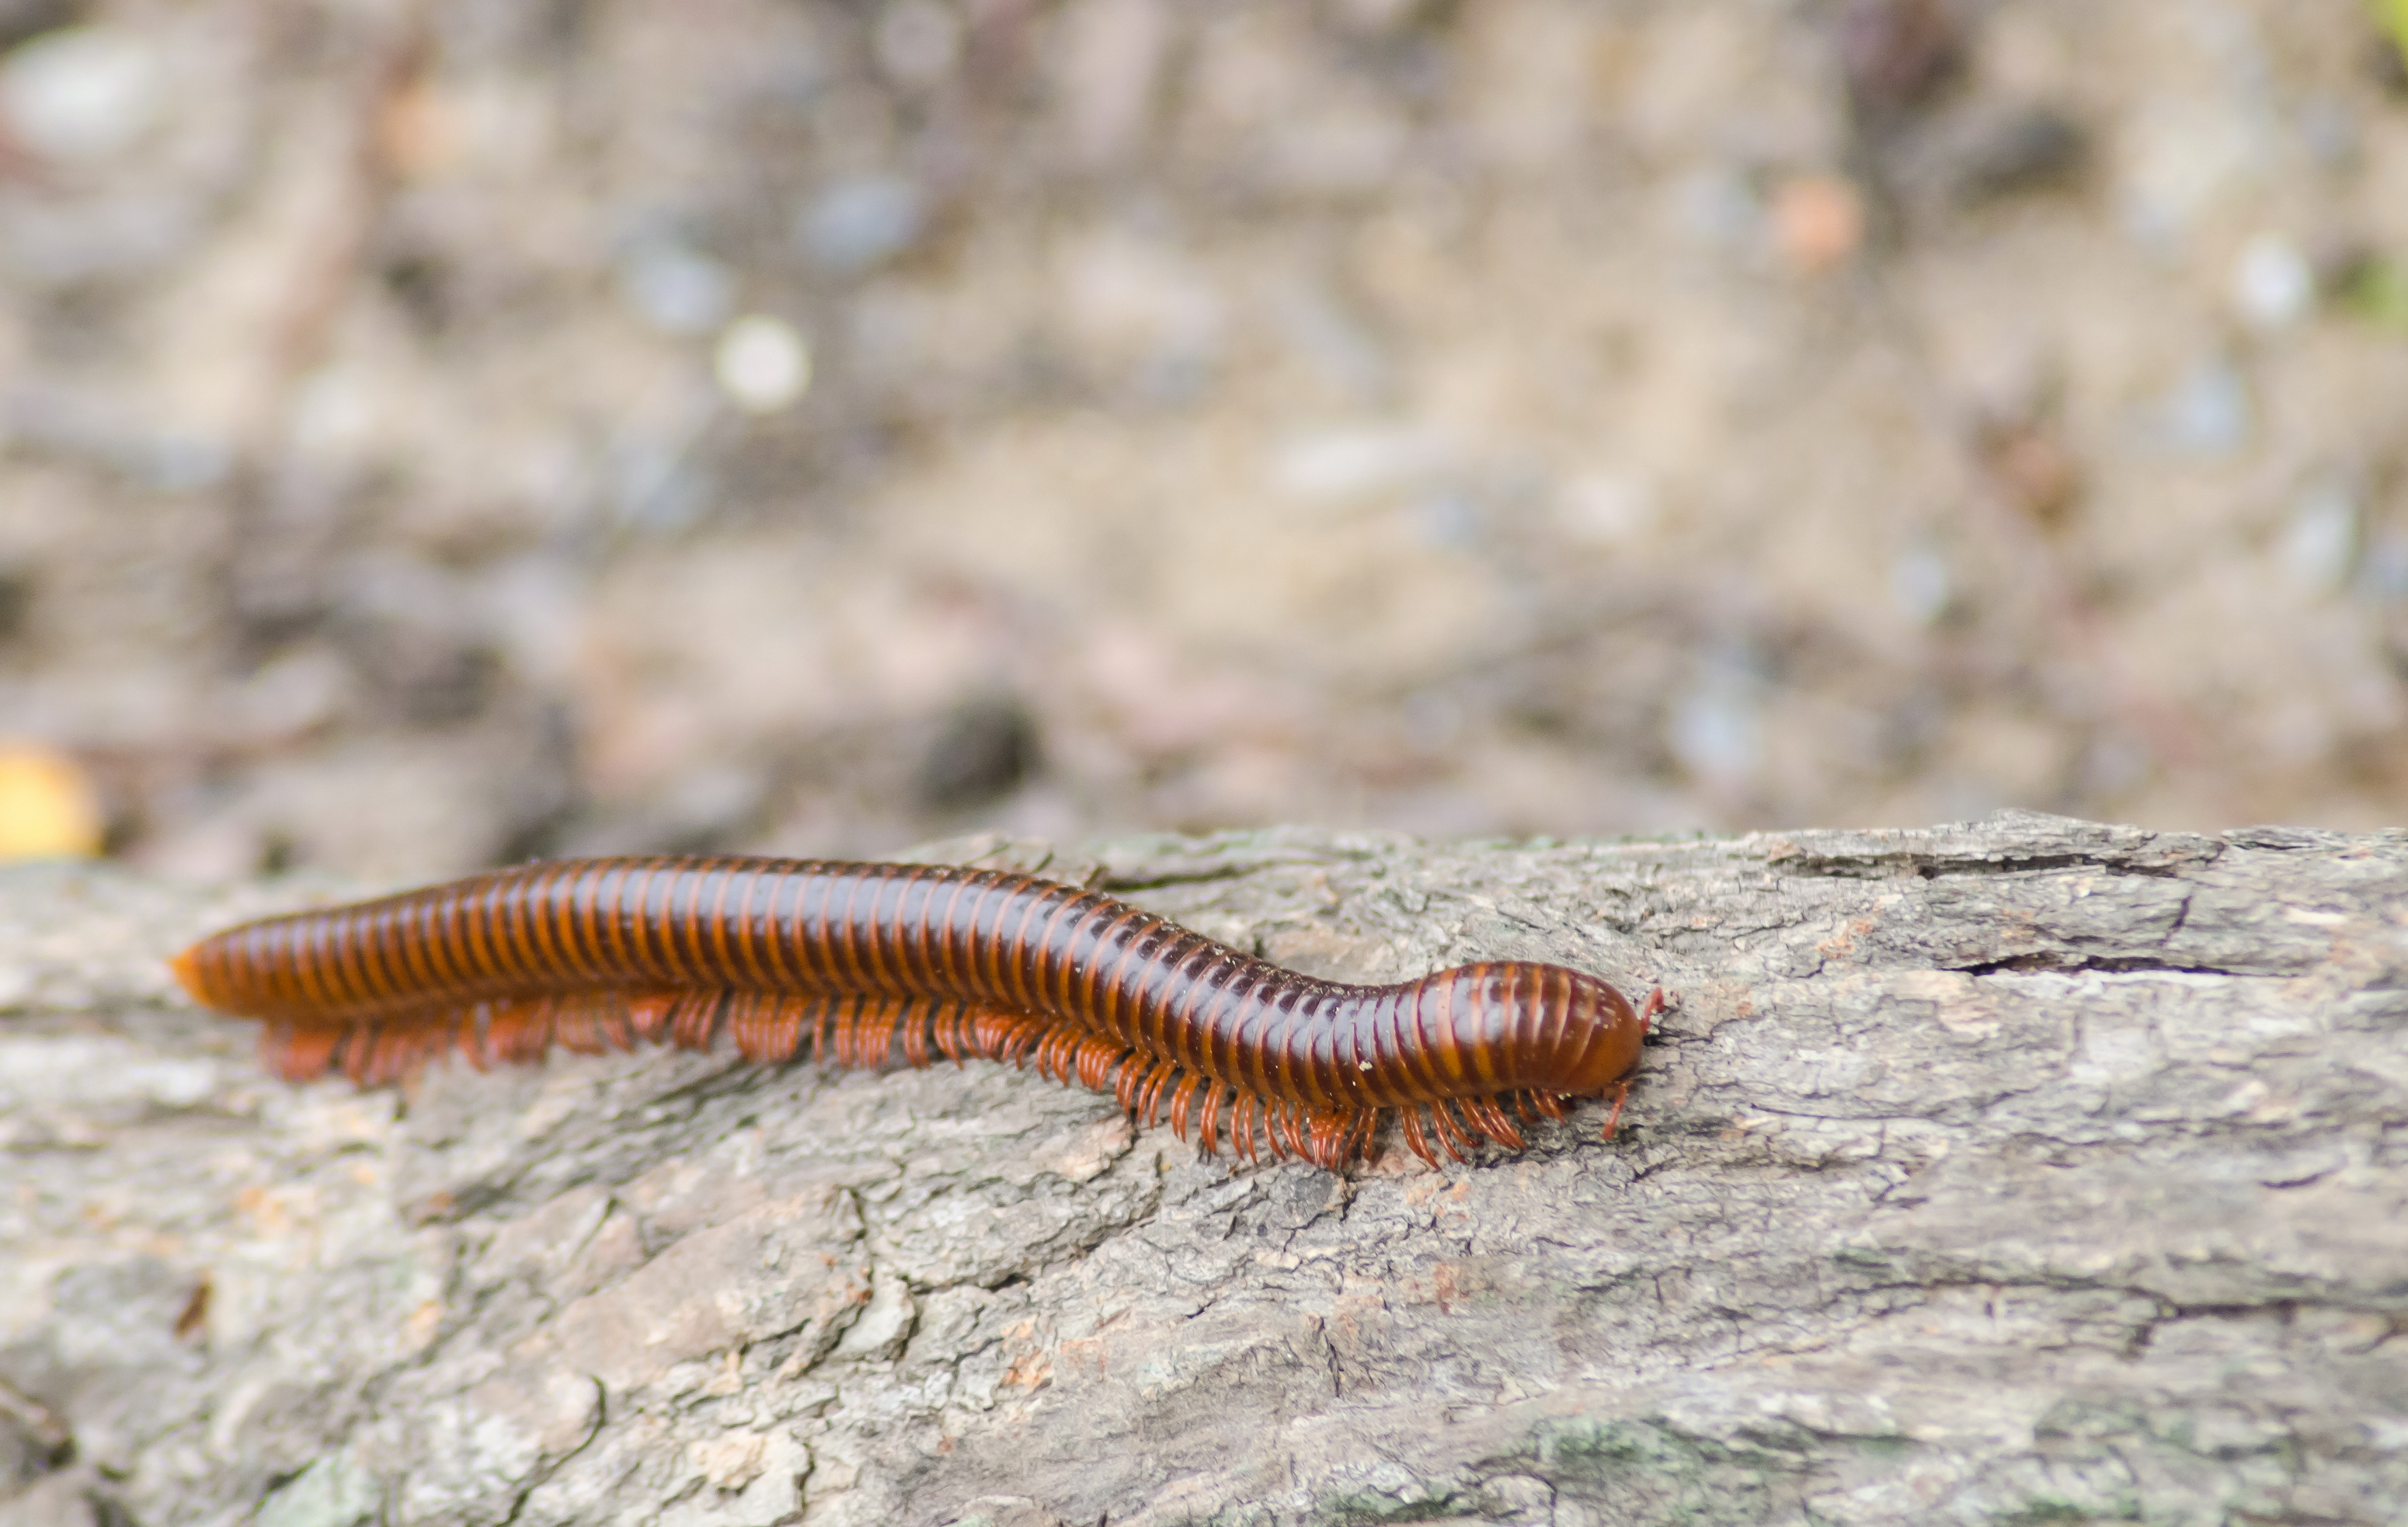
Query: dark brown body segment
603, 954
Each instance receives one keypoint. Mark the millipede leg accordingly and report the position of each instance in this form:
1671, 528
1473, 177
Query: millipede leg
396, 1051
474, 1028
744, 1025
1279, 1129
1182, 1103
526, 1032
607, 1021
1049, 1055
888, 1025
945, 1029
650, 1014
1451, 1130
298, 1054
380, 1057
1125, 1085
768, 1028
915, 1036
839, 1026
573, 1025
854, 1020
1064, 1043
1005, 1037
1332, 1137
1099, 1062
1490, 1119
1149, 1095
693, 1024
1621, 1095
1294, 1130
1414, 1136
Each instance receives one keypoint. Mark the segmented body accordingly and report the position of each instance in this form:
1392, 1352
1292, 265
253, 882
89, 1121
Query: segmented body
857, 959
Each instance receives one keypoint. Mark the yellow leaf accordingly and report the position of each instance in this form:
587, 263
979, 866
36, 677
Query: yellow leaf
48, 807
2392, 16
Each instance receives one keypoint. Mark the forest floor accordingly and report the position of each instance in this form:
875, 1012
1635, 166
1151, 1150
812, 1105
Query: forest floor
432, 434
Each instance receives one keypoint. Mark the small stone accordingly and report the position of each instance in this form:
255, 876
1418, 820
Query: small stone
2273, 286
1718, 730
985, 748
1606, 509
419, 131
2029, 150
1342, 465
2178, 159
82, 94
858, 224
2206, 414
676, 290
1716, 206
650, 483
1919, 585
1450, 519
2030, 467
2319, 545
762, 364
1818, 222
2328, 130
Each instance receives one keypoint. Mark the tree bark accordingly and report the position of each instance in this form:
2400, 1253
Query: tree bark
2029, 1171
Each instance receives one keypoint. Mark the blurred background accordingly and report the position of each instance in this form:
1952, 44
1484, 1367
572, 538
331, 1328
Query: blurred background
438, 432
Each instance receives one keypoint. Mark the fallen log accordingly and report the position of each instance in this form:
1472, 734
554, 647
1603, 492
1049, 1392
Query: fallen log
2019, 1172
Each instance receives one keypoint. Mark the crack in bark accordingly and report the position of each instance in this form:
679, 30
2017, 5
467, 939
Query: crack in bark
2064, 962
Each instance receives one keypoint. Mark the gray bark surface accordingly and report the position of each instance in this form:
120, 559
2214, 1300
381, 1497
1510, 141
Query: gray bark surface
2025, 1172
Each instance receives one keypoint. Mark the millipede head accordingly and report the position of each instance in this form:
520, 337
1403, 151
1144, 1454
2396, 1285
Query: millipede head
1508, 1026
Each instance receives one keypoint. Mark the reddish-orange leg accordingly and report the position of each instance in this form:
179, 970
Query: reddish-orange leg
1657, 1003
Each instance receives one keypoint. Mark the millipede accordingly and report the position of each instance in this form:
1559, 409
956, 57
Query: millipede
864, 959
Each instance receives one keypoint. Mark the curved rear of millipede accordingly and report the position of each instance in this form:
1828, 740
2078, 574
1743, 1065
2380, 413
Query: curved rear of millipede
855, 959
